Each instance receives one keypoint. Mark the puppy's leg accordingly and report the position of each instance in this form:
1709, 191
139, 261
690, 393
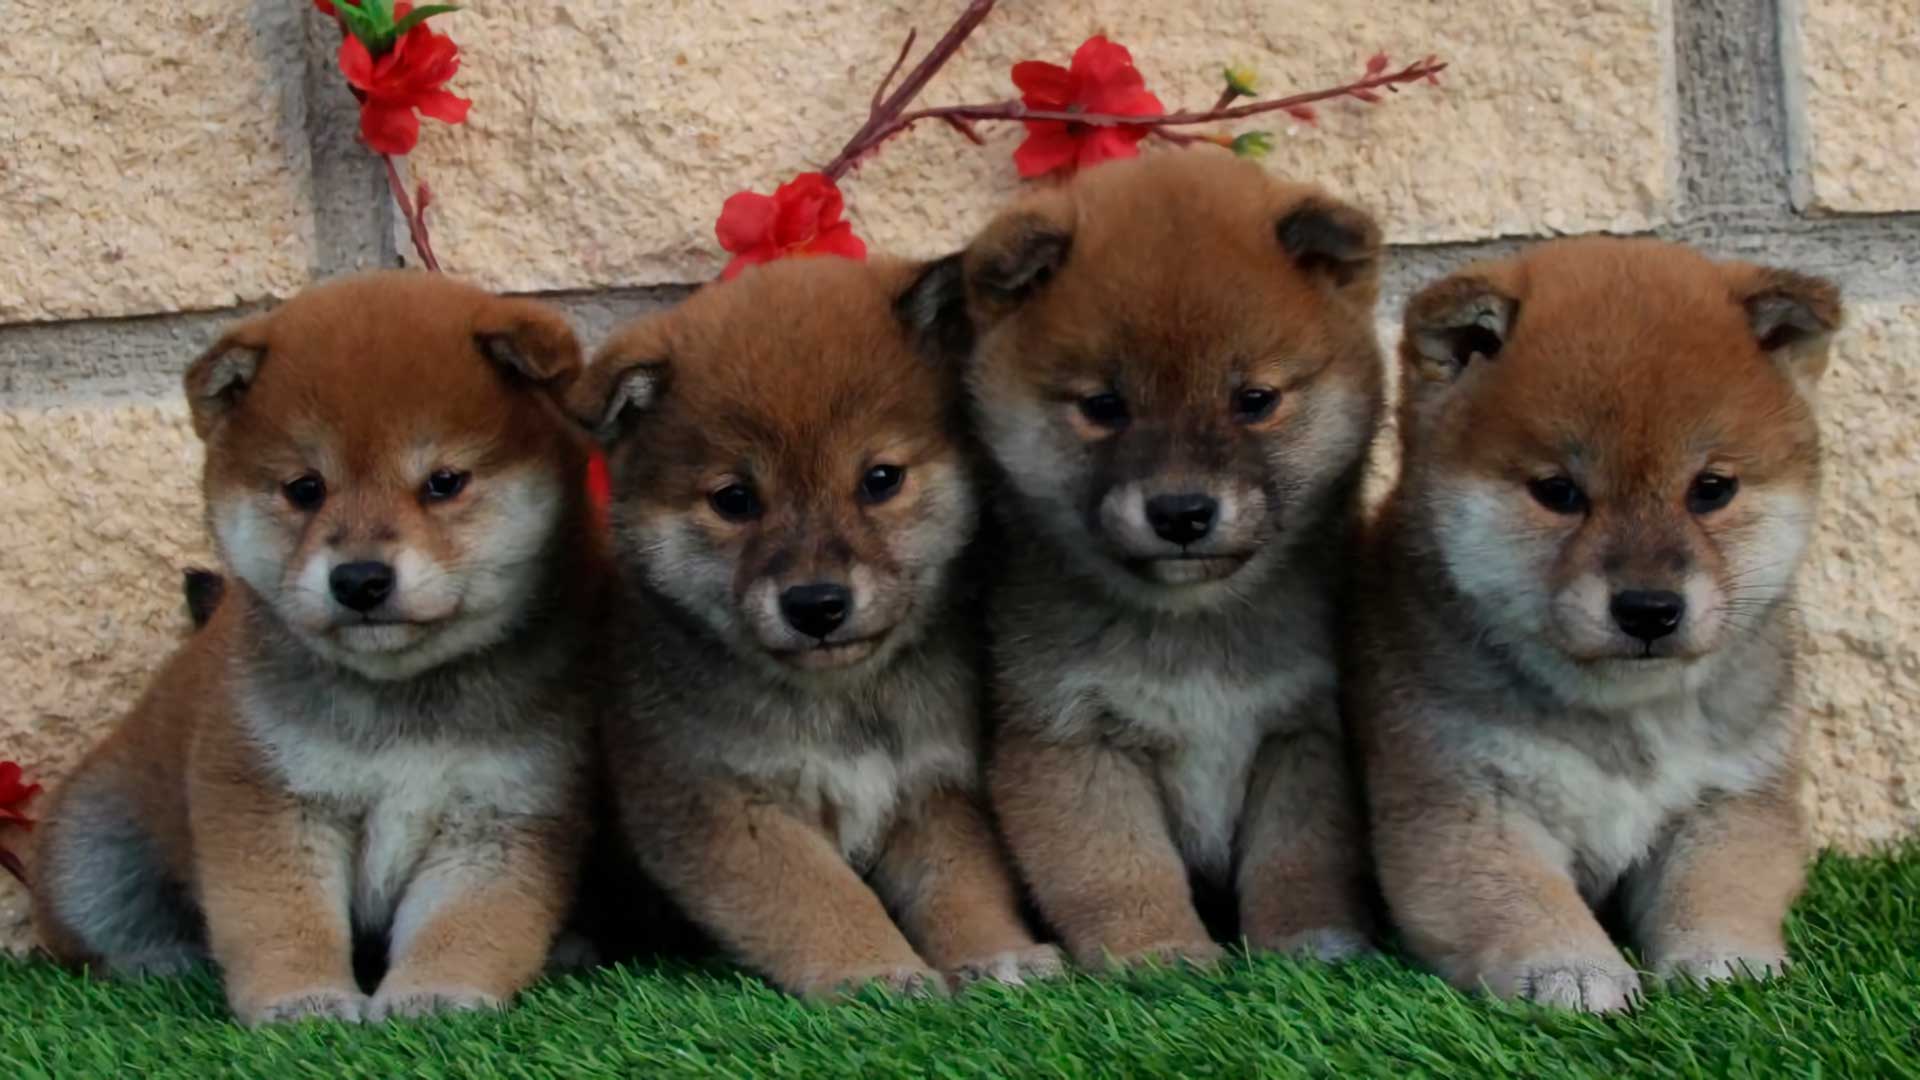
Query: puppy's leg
1089, 834
103, 891
479, 917
1485, 898
1303, 857
943, 872
275, 883
772, 889
1710, 903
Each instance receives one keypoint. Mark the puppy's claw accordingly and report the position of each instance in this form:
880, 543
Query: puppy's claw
1707, 964
914, 982
1011, 968
1593, 984
416, 1002
1328, 945
347, 1006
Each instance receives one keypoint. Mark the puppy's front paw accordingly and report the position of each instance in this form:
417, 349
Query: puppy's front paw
1328, 944
408, 1003
348, 1006
1201, 953
572, 951
1708, 963
1595, 984
918, 982
1013, 967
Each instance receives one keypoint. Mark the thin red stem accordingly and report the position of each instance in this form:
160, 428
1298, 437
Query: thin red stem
416, 219
883, 120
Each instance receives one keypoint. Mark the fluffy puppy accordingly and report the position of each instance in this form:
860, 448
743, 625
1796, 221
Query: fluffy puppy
794, 747
1176, 374
381, 729
1578, 639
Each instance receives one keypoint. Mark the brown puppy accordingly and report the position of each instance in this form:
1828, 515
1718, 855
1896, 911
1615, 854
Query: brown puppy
382, 728
795, 746
1578, 640
1177, 375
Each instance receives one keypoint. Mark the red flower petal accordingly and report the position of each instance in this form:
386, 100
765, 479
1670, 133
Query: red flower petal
745, 259
443, 106
388, 129
1043, 85
838, 240
356, 63
1109, 144
746, 222
327, 8
1048, 148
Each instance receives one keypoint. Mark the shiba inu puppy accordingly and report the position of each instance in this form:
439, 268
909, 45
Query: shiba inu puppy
382, 728
795, 743
1177, 375
1578, 634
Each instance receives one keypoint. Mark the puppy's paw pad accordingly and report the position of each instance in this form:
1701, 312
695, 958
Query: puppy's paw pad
415, 1002
1200, 954
1583, 984
915, 982
347, 1006
1015, 967
1709, 965
1328, 945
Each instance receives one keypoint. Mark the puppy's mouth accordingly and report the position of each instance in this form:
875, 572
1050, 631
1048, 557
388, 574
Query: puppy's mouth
1187, 569
370, 634
829, 655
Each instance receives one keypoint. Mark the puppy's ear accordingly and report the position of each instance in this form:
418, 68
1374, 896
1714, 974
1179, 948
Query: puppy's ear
1456, 323
623, 383
1792, 316
218, 378
933, 309
1015, 256
530, 339
1332, 241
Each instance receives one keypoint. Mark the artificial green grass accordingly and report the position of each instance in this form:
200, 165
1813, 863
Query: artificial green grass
1850, 1008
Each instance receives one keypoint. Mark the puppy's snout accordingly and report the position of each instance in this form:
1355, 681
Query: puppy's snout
816, 610
1182, 519
361, 586
1648, 614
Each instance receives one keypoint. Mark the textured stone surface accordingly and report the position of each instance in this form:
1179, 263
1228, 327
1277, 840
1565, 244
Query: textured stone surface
102, 512
604, 138
1853, 78
1861, 592
153, 157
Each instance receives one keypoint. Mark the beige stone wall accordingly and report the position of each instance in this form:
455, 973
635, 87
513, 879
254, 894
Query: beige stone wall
190, 158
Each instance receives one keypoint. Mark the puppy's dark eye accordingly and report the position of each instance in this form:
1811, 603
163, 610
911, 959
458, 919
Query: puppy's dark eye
882, 482
1253, 404
1558, 494
1710, 491
735, 502
444, 484
1105, 410
305, 492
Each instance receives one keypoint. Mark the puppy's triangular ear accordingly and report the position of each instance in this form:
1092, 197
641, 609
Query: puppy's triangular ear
1332, 241
1015, 256
1456, 323
1792, 316
933, 309
529, 339
623, 383
218, 378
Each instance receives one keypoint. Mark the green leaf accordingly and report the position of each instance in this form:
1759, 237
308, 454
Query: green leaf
421, 14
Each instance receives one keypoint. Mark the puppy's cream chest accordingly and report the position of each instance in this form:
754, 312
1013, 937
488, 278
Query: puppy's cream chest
395, 802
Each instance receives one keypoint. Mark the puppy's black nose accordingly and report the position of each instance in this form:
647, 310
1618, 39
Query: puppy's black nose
1182, 519
361, 585
1648, 614
816, 610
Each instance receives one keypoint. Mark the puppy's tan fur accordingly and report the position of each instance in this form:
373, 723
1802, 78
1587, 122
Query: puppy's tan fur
788, 791
301, 772
1528, 755
1178, 327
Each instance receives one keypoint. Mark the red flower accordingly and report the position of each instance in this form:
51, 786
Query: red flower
326, 8
411, 75
13, 794
801, 217
1102, 80
599, 487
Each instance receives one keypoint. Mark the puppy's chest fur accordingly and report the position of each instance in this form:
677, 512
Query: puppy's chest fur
1192, 695
853, 755
1608, 784
431, 769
